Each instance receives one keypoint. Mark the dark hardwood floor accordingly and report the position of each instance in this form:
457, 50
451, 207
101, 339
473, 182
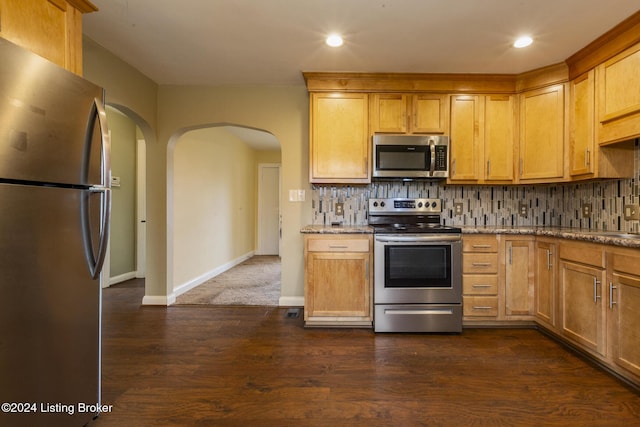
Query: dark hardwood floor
253, 366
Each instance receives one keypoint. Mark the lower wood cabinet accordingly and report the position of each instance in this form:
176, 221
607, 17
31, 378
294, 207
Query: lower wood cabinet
497, 278
582, 278
338, 280
545, 282
519, 268
624, 311
480, 277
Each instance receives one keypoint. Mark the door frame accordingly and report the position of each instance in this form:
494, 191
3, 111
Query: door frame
261, 209
141, 208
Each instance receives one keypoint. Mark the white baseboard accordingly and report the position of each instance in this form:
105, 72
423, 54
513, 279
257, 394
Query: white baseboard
291, 302
187, 286
159, 300
122, 278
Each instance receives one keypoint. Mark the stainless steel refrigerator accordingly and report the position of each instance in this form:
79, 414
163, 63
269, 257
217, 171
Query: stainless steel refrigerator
54, 225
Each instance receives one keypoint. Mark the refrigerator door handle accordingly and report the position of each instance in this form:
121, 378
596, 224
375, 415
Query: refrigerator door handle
96, 261
106, 143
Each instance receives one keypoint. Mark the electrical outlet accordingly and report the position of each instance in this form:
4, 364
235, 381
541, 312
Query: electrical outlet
586, 210
523, 209
631, 213
458, 208
339, 209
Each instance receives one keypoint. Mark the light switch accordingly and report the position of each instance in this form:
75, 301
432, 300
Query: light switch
296, 195
115, 181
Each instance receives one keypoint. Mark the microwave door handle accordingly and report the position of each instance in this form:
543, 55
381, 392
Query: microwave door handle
432, 149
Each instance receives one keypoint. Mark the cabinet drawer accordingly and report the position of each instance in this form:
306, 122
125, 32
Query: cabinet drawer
583, 253
480, 263
627, 263
338, 245
483, 284
480, 243
480, 306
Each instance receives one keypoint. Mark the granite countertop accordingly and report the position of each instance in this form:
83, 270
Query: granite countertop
337, 229
617, 238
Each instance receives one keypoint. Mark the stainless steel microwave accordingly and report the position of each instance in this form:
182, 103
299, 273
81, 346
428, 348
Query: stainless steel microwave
410, 156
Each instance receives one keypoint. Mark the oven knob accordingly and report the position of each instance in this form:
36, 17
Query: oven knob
419, 204
375, 204
382, 204
434, 204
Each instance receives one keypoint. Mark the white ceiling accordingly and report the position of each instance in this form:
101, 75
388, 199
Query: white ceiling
270, 42
232, 42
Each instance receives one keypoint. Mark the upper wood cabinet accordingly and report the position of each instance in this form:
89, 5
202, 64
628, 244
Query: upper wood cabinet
499, 138
587, 159
482, 138
541, 149
618, 92
581, 125
339, 141
409, 113
465, 138
49, 28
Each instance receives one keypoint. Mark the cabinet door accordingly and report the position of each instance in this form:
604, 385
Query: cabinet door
618, 86
429, 113
625, 308
519, 286
389, 113
465, 138
337, 285
542, 133
581, 306
499, 139
339, 138
545, 282
581, 136
49, 28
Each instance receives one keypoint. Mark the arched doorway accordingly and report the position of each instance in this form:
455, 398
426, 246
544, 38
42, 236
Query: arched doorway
212, 200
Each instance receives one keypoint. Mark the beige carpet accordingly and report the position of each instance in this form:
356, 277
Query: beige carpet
254, 282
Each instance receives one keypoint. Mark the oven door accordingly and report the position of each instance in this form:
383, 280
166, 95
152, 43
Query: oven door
418, 269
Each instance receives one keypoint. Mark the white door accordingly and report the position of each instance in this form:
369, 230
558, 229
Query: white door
268, 209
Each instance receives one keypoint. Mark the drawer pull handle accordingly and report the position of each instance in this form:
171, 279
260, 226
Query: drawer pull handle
482, 307
596, 297
481, 246
611, 301
481, 286
338, 246
481, 264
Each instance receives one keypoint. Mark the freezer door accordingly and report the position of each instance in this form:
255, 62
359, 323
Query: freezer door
49, 305
49, 130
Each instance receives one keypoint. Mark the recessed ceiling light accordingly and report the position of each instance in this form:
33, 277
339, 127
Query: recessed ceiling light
523, 41
334, 40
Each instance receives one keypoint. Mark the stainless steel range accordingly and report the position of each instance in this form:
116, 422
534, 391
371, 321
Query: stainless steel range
417, 267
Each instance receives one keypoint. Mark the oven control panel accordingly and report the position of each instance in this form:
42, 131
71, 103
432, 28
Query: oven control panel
404, 206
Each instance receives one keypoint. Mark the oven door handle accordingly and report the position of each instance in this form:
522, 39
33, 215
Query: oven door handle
417, 238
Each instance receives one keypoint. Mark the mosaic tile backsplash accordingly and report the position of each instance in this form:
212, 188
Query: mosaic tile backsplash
548, 205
